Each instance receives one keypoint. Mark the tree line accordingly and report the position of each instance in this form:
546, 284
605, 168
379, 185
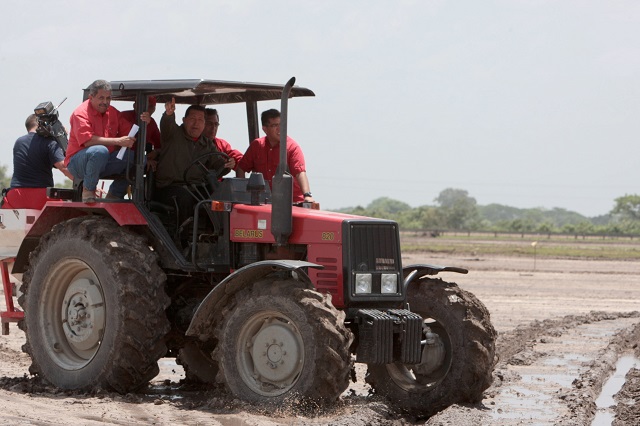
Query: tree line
455, 209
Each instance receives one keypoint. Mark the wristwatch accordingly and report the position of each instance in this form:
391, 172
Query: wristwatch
307, 194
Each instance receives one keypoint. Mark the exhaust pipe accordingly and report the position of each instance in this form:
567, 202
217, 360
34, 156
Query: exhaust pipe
282, 183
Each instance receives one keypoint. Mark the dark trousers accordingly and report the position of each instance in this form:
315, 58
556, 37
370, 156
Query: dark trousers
177, 196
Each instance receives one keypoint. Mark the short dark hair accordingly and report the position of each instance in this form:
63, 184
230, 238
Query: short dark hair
31, 123
269, 115
99, 85
210, 111
193, 108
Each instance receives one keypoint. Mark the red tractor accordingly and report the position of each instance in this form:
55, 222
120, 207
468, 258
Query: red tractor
273, 301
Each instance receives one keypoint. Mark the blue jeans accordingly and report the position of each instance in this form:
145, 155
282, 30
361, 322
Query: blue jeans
94, 162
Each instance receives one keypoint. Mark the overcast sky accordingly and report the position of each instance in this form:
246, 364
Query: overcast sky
523, 103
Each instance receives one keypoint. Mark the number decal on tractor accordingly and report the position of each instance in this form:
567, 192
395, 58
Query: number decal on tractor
328, 236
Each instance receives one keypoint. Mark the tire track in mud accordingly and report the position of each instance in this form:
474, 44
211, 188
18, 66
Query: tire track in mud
552, 371
628, 398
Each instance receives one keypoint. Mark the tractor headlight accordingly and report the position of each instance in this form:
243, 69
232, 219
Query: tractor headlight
363, 283
389, 283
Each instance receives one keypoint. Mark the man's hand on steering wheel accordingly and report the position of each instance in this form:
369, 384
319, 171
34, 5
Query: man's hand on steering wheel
230, 164
219, 168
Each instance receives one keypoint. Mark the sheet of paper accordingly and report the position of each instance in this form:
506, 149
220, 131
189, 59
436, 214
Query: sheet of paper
134, 130
123, 149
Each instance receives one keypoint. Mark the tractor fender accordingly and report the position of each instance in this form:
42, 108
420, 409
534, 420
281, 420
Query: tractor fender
54, 212
202, 324
413, 273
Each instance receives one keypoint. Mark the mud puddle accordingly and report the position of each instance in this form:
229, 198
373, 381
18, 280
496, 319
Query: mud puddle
605, 402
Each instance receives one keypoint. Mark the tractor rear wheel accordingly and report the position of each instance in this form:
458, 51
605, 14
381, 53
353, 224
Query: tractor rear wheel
94, 306
457, 359
280, 343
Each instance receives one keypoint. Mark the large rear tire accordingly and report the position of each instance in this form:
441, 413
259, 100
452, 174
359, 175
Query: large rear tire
457, 361
280, 343
94, 303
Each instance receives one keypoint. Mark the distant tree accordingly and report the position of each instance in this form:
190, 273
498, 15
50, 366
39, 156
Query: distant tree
359, 210
545, 228
5, 181
602, 220
431, 218
614, 229
628, 207
584, 228
457, 207
495, 213
386, 205
534, 216
560, 217
521, 225
632, 227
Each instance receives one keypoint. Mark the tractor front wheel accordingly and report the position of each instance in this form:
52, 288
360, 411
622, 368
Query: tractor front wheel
280, 343
457, 356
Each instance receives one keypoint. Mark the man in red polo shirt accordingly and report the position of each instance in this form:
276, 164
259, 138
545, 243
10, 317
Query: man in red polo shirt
97, 129
211, 124
153, 132
263, 156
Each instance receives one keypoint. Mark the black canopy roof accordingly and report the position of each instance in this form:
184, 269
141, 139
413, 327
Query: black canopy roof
201, 92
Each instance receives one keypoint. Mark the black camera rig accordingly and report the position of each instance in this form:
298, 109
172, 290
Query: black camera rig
48, 124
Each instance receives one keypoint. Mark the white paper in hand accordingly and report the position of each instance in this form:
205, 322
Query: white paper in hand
132, 133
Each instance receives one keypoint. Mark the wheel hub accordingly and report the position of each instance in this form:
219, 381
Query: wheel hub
276, 353
83, 314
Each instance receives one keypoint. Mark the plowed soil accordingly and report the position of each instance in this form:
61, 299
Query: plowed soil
563, 328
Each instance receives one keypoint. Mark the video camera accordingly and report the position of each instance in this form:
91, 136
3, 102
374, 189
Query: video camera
48, 124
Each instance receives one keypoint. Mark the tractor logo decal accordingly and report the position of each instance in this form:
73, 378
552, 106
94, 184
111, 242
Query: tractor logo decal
384, 264
249, 233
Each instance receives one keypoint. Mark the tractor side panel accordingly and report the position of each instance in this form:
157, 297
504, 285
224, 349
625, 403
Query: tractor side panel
251, 225
328, 280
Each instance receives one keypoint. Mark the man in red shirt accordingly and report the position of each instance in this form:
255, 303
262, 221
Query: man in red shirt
211, 124
97, 129
263, 156
153, 132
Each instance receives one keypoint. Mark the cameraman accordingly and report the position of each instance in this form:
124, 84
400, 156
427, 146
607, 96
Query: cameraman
34, 156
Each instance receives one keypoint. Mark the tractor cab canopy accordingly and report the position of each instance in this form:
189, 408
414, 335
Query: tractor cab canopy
195, 92
203, 92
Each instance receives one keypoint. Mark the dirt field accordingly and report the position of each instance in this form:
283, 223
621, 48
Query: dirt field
564, 328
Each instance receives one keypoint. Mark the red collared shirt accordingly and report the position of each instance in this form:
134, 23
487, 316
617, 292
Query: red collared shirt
153, 132
86, 122
263, 158
224, 146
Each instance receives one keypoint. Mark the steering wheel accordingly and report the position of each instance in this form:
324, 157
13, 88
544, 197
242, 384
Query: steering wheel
211, 175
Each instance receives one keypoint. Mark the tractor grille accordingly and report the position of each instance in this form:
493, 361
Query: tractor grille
374, 247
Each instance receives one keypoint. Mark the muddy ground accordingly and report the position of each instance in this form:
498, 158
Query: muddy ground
564, 328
